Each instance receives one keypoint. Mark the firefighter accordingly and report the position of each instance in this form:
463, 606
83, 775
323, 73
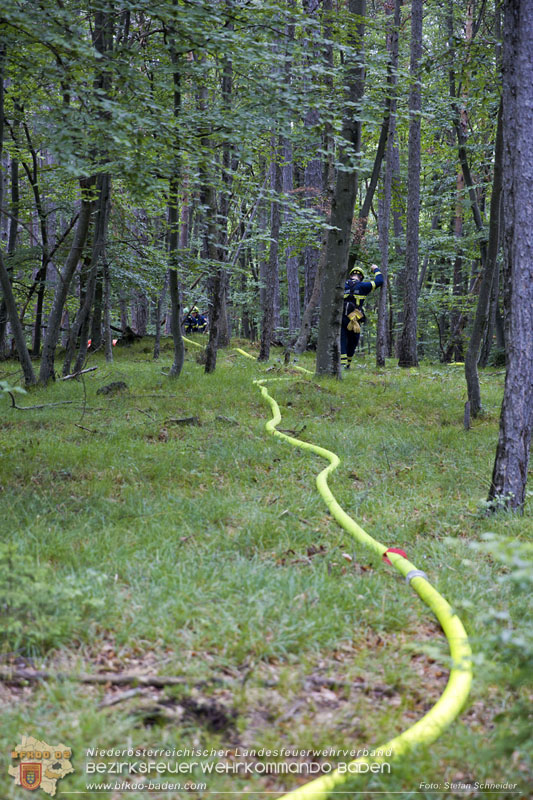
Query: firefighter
353, 316
194, 322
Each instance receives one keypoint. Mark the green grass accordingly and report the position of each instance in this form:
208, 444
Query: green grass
206, 552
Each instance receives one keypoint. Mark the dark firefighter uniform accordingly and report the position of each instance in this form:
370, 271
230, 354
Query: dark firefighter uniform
353, 316
195, 322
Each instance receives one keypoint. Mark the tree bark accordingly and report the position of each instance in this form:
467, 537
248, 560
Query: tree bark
487, 280
9, 297
80, 327
54, 320
219, 335
11, 246
509, 475
382, 337
292, 260
343, 202
173, 216
217, 284
407, 345
272, 277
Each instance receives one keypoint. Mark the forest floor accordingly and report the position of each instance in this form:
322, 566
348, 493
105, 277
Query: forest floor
137, 542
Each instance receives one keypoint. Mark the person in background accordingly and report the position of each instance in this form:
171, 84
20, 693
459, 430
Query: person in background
194, 322
353, 316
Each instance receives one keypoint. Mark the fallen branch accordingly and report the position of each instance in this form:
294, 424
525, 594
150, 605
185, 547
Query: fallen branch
118, 698
43, 405
79, 372
84, 428
141, 411
184, 420
21, 676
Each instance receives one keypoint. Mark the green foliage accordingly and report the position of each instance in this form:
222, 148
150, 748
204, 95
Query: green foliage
5, 388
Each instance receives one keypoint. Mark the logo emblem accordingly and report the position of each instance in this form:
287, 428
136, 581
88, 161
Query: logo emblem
39, 765
30, 775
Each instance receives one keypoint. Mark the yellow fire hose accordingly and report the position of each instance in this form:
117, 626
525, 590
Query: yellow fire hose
449, 705
452, 700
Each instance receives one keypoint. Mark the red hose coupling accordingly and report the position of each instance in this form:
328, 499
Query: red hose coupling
394, 550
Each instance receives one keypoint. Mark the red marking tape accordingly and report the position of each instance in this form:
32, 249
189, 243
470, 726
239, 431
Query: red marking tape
394, 550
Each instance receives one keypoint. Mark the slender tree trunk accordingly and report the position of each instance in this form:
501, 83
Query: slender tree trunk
510, 471
219, 335
80, 327
292, 260
272, 277
102, 37
494, 320
487, 280
54, 320
173, 216
338, 242
11, 247
291, 256
9, 297
217, 284
42, 218
407, 346
382, 338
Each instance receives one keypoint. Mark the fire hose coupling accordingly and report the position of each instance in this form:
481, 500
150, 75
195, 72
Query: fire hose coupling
415, 573
396, 550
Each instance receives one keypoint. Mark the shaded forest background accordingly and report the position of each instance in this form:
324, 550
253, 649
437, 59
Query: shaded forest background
237, 156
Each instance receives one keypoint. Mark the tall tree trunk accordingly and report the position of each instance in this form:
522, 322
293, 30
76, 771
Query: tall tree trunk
383, 338
173, 213
80, 327
292, 260
11, 246
509, 475
342, 208
217, 285
102, 38
42, 219
494, 317
219, 335
9, 297
487, 280
63, 285
407, 346
291, 256
272, 276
